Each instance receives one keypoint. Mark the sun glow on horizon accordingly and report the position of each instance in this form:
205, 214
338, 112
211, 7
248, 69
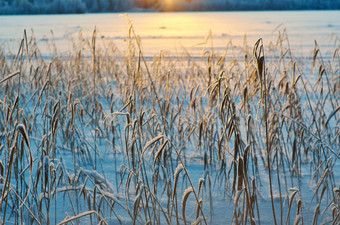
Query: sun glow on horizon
169, 5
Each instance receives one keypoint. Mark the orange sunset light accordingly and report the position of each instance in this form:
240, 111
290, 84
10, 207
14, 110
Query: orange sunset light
162, 5
168, 6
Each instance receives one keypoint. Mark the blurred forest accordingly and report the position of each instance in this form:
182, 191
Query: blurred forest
88, 6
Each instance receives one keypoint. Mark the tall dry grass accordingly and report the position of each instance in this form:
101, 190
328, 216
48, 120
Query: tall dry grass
97, 136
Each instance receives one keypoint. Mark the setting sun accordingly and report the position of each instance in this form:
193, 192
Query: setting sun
168, 5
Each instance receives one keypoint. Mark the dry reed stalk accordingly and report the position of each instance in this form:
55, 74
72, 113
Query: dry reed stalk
258, 53
72, 218
184, 201
186, 195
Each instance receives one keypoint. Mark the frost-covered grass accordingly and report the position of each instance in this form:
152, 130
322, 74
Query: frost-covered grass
96, 136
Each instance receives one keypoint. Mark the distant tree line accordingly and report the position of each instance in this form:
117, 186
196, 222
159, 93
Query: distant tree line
87, 6
63, 6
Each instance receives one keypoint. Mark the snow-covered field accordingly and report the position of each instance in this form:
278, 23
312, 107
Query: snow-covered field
104, 122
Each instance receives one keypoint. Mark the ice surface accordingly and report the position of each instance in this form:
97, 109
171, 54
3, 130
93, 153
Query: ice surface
177, 31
